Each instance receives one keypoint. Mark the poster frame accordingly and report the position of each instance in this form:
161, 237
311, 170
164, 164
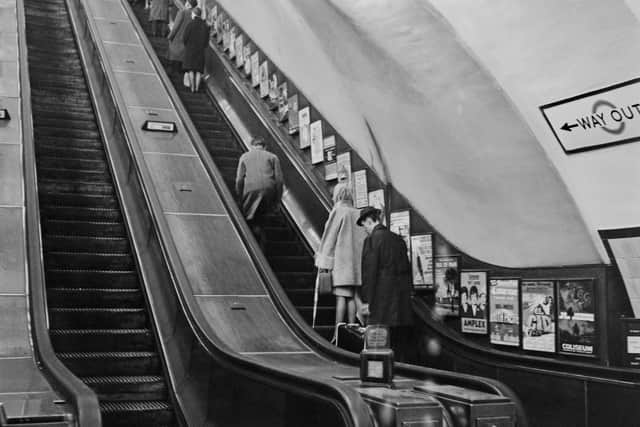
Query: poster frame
596, 323
462, 271
425, 287
518, 291
435, 284
555, 317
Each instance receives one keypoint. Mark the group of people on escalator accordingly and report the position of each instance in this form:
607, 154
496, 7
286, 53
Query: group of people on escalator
367, 264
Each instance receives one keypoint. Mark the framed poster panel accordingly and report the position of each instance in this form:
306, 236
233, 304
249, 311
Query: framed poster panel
538, 315
577, 328
212, 20
283, 102
331, 166
232, 43
264, 79
293, 114
304, 121
317, 142
239, 48
360, 189
247, 58
504, 311
445, 270
226, 34
274, 92
220, 26
376, 200
255, 69
473, 302
400, 223
344, 166
422, 261
631, 335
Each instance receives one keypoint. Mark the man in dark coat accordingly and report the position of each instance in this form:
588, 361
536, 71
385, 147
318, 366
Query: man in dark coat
259, 185
386, 280
196, 40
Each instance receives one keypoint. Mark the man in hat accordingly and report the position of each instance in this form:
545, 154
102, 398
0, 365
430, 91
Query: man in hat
386, 280
258, 186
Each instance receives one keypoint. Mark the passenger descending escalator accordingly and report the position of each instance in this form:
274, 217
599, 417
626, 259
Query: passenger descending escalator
100, 326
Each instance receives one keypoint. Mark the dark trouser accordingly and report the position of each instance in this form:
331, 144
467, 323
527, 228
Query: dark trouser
157, 28
400, 340
257, 227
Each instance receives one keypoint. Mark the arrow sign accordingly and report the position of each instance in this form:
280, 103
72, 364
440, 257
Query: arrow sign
568, 127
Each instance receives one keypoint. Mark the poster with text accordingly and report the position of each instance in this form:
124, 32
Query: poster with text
293, 114
344, 167
400, 223
330, 167
445, 270
212, 20
232, 43
304, 120
504, 320
376, 200
239, 50
226, 34
274, 92
360, 189
576, 317
473, 302
317, 142
264, 79
422, 261
283, 102
255, 69
538, 316
247, 58
220, 27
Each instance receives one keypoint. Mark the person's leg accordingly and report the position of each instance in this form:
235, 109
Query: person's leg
341, 308
399, 342
358, 304
351, 311
198, 79
192, 82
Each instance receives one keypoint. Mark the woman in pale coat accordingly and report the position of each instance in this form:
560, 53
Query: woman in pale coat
176, 44
340, 252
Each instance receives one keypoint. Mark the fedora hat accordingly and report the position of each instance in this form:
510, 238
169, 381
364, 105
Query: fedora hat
368, 212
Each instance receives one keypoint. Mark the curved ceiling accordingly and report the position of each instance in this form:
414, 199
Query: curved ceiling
451, 90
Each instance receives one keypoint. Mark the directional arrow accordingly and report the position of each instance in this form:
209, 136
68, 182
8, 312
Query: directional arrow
568, 127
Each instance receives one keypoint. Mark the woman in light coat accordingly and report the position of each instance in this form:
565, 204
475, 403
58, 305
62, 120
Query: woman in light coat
340, 252
176, 44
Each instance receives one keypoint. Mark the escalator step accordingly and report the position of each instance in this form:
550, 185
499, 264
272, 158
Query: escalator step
54, 242
291, 263
86, 175
131, 387
324, 315
97, 318
90, 261
69, 132
77, 200
70, 152
81, 188
73, 163
80, 213
139, 413
84, 228
112, 363
92, 297
69, 340
297, 280
92, 279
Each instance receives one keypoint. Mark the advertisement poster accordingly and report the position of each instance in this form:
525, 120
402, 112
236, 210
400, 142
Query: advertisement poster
255, 69
239, 50
504, 321
631, 335
576, 317
473, 302
344, 166
293, 114
283, 102
226, 34
247, 59
232, 43
538, 316
400, 223
360, 190
376, 200
317, 142
264, 79
445, 270
330, 167
212, 20
304, 120
274, 92
422, 261
220, 26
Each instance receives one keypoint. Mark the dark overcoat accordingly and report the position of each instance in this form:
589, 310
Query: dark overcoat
176, 42
386, 278
159, 10
196, 39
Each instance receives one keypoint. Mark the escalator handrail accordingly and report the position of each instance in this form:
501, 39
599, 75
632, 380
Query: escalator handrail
81, 396
354, 410
288, 310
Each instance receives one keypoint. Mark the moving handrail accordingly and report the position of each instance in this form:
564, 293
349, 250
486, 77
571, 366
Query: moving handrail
81, 396
280, 298
346, 400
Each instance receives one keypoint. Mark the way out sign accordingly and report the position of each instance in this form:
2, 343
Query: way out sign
596, 119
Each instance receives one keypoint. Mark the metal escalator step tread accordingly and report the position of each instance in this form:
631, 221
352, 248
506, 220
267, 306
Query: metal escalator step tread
135, 406
98, 331
128, 379
96, 310
107, 355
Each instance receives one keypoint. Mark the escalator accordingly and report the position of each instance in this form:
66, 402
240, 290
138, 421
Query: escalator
287, 252
99, 321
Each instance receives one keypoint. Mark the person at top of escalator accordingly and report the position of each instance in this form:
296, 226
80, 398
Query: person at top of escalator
159, 16
176, 42
340, 252
195, 39
259, 184
386, 280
